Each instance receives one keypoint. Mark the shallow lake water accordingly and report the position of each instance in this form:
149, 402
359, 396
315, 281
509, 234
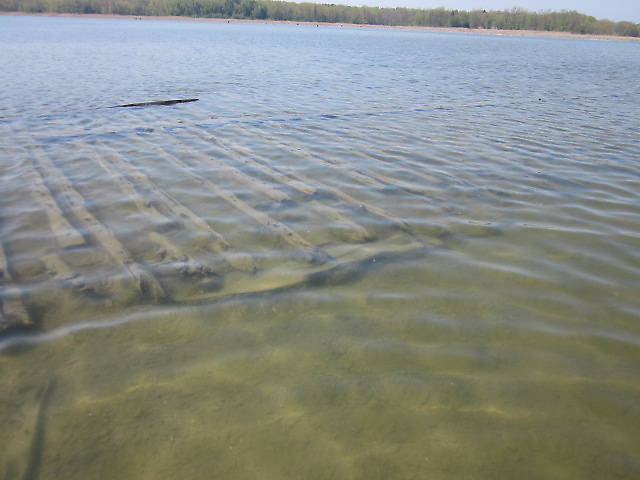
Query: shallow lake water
361, 254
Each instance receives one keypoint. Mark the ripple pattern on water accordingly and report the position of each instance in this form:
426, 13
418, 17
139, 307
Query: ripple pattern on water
361, 254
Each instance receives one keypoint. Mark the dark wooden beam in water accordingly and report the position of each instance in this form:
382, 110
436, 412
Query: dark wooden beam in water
157, 102
74, 204
13, 314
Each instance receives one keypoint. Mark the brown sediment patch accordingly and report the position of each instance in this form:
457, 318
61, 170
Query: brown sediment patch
485, 31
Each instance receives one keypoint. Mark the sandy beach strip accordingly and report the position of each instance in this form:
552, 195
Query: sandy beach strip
476, 31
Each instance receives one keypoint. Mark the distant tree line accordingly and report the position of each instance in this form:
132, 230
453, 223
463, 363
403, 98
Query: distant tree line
514, 19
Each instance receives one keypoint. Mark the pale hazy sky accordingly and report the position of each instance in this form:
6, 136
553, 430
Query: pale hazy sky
611, 9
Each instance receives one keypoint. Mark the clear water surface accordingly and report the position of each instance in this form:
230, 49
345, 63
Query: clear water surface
362, 254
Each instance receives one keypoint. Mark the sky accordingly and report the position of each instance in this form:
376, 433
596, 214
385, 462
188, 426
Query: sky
611, 9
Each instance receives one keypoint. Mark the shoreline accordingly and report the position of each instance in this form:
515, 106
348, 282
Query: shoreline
477, 31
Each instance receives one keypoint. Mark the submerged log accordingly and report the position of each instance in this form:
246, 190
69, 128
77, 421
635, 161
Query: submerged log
301, 179
161, 200
65, 234
242, 155
171, 253
360, 177
347, 263
73, 203
365, 143
150, 197
12, 312
312, 253
157, 102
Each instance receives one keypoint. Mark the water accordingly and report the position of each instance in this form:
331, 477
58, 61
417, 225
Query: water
362, 253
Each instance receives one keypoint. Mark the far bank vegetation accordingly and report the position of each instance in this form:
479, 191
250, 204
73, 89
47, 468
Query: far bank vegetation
514, 19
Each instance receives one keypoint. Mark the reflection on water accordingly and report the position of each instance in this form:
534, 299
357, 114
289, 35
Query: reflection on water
361, 254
